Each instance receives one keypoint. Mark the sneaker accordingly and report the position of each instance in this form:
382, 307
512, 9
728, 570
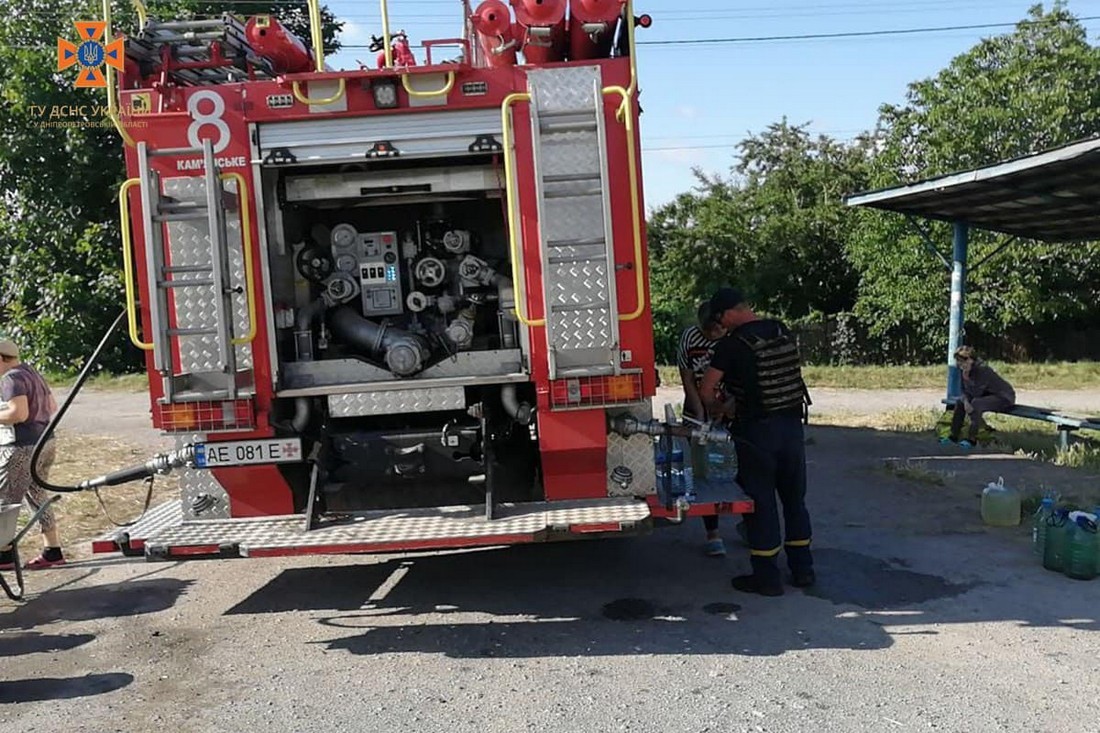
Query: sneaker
715, 548
42, 562
753, 584
803, 579
965, 444
946, 441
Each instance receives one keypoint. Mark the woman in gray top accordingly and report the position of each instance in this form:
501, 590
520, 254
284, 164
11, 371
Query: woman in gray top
26, 405
983, 391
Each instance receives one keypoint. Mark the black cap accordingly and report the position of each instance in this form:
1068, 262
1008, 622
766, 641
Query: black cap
725, 299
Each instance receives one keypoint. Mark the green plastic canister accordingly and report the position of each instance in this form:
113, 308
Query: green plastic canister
1054, 553
1081, 548
1000, 505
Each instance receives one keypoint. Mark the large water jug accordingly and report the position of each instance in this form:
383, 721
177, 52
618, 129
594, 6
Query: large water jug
1039, 526
669, 461
721, 463
1000, 505
1054, 553
1081, 549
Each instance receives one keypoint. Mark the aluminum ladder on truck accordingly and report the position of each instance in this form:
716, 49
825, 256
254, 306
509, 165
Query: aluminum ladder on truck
198, 52
190, 271
574, 213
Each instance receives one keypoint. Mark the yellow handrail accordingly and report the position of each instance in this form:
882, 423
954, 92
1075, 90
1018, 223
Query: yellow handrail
246, 248
142, 12
633, 48
315, 31
128, 262
446, 89
386, 34
341, 87
509, 187
627, 117
112, 93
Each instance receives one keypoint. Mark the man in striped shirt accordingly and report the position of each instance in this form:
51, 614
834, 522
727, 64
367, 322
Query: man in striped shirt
693, 356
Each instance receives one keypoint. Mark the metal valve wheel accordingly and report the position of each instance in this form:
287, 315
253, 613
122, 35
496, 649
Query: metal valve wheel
431, 272
314, 264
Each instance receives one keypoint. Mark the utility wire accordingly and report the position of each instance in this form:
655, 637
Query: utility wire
660, 17
845, 34
826, 36
730, 40
694, 16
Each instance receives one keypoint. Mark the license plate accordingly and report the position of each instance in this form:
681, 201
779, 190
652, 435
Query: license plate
245, 452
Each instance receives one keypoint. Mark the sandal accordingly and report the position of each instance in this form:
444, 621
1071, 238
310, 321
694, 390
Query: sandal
42, 562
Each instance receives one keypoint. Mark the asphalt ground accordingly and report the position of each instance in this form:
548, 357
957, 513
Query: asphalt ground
923, 619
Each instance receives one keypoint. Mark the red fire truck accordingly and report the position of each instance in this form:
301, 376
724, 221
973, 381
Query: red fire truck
394, 308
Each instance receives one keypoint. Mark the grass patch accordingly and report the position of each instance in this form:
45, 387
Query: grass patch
1030, 438
914, 470
669, 375
102, 382
1040, 440
1060, 375
875, 377
899, 420
80, 516
1070, 502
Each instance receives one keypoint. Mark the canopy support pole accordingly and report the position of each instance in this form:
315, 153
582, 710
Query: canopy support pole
959, 246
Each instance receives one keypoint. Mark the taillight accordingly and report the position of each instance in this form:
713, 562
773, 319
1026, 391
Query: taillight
595, 391
205, 417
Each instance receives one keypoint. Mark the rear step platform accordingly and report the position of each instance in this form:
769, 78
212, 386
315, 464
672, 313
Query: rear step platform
375, 531
130, 540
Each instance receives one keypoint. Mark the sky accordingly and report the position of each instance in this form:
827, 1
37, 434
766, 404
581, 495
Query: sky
699, 100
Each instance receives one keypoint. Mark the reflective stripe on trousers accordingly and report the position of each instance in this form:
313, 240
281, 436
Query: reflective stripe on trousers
772, 470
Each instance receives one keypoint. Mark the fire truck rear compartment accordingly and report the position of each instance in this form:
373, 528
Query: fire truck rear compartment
398, 269
396, 338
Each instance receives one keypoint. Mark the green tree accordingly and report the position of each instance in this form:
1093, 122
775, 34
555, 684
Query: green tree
1008, 96
777, 227
793, 188
59, 238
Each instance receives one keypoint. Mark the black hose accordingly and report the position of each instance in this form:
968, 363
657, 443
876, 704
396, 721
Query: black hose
48, 432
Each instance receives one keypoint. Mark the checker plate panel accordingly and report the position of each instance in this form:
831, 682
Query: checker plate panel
189, 244
397, 401
462, 524
161, 517
635, 453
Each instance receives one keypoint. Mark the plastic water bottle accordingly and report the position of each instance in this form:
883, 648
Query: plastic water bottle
721, 463
678, 465
1081, 551
1039, 526
682, 478
1000, 505
1054, 550
672, 461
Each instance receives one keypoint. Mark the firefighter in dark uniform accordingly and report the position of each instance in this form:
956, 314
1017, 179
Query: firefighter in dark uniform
759, 364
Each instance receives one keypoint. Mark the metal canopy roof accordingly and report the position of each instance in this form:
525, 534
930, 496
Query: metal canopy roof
1053, 196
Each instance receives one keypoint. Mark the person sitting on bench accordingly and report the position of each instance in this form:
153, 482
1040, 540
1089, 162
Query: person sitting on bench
983, 391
